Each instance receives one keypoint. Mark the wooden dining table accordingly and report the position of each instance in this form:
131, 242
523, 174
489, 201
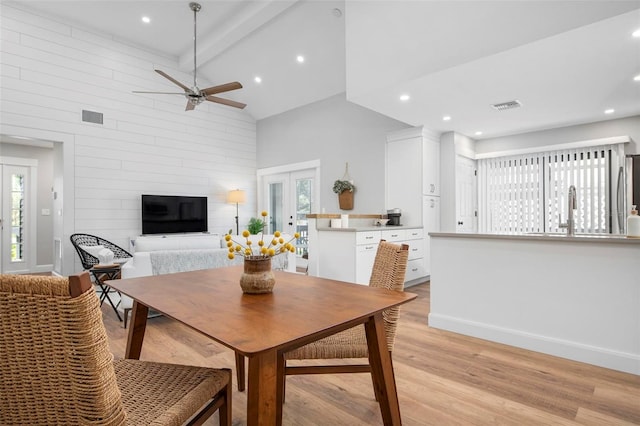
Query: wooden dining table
263, 327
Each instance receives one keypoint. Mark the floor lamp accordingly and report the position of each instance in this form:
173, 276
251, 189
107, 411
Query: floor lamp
236, 196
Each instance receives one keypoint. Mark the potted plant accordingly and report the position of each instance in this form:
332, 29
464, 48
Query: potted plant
258, 276
255, 226
344, 189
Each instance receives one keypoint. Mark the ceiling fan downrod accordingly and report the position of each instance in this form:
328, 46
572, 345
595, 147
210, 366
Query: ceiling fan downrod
196, 8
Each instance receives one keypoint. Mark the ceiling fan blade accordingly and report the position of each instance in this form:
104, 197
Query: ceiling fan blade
160, 93
173, 80
221, 88
226, 102
190, 106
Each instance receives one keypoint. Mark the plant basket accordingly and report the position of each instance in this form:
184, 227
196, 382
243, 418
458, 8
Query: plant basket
345, 199
257, 276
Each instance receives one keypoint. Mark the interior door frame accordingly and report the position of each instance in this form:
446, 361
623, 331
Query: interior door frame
31, 198
473, 202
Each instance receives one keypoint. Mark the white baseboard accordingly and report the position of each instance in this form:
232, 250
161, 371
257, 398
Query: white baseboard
40, 269
616, 360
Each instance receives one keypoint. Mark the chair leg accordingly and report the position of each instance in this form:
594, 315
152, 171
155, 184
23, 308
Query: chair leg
240, 371
225, 412
126, 316
284, 380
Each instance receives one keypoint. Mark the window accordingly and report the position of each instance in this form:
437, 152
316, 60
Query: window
17, 217
528, 193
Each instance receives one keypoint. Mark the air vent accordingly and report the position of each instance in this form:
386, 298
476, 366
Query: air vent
507, 105
91, 116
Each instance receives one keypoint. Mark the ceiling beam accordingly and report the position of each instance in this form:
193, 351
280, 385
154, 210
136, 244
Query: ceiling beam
254, 16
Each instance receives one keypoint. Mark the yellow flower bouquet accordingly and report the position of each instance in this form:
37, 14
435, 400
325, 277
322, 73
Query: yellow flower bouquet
267, 249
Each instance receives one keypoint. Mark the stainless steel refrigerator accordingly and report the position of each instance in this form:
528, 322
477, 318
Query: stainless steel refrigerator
628, 190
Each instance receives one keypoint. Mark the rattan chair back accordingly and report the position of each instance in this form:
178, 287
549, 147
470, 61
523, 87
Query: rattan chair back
56, 364
88, 260
57, 368
389, 269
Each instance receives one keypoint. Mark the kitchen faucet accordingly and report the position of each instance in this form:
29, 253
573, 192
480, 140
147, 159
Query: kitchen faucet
572, 205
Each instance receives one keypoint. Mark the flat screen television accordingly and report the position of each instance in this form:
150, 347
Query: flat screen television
170, 214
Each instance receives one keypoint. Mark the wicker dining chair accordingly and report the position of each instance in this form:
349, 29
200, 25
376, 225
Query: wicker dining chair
388, 272
57, 369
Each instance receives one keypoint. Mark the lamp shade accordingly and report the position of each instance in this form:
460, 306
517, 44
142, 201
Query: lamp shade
237, 196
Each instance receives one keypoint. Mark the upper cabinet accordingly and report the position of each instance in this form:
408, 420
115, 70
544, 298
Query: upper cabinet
412, 170
431, 166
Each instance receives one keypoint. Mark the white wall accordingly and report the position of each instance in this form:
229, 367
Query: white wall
52, 70
629, 126
333, 131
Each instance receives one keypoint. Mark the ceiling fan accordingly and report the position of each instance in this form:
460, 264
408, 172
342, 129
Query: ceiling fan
195, 95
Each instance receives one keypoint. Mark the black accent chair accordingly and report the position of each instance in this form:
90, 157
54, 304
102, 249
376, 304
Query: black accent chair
100, 273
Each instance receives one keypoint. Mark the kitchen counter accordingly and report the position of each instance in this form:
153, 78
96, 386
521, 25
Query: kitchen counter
560, 237
573, 297
348, 254
367, 228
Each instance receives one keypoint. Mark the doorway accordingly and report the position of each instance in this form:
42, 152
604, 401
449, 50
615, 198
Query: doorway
466, 195
17, 219
289, 193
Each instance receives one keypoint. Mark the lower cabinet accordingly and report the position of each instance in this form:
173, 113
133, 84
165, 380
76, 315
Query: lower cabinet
349, 255
416, 267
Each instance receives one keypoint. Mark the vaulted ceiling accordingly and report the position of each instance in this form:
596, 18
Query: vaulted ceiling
566, 62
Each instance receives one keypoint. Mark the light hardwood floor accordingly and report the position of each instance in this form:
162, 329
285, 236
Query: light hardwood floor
442, 378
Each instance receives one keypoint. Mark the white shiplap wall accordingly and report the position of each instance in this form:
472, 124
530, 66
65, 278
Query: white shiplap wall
51, 71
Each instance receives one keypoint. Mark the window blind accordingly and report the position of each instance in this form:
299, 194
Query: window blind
511, 194
528, 193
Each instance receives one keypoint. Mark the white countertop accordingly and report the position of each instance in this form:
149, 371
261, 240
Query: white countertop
367, 228
599, 238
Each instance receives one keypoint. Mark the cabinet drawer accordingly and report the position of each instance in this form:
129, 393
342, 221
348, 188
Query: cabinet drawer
414, 234
416, 249
415, 269
392, 235
364, 248
367, 237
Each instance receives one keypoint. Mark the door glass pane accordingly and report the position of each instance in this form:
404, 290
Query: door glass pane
17, 217
304, 189
275, 207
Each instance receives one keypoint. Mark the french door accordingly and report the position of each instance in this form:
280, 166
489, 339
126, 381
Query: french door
288, 197
14, 219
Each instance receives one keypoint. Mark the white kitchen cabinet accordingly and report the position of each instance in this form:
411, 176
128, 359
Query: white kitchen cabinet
349, 255
365, 258
416, 264
404, 178
431, 223
430, 167
413, 175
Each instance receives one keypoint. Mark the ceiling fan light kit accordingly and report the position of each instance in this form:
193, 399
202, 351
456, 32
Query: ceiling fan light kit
195, 96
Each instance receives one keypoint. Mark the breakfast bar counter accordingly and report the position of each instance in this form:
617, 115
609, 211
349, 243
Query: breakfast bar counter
574, 297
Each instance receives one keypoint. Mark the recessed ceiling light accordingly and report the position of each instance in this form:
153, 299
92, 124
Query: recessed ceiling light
257, 79
636, 33
636, 78
609, 111
300, 58
446, 118
146, 19
405, 97
478, 133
